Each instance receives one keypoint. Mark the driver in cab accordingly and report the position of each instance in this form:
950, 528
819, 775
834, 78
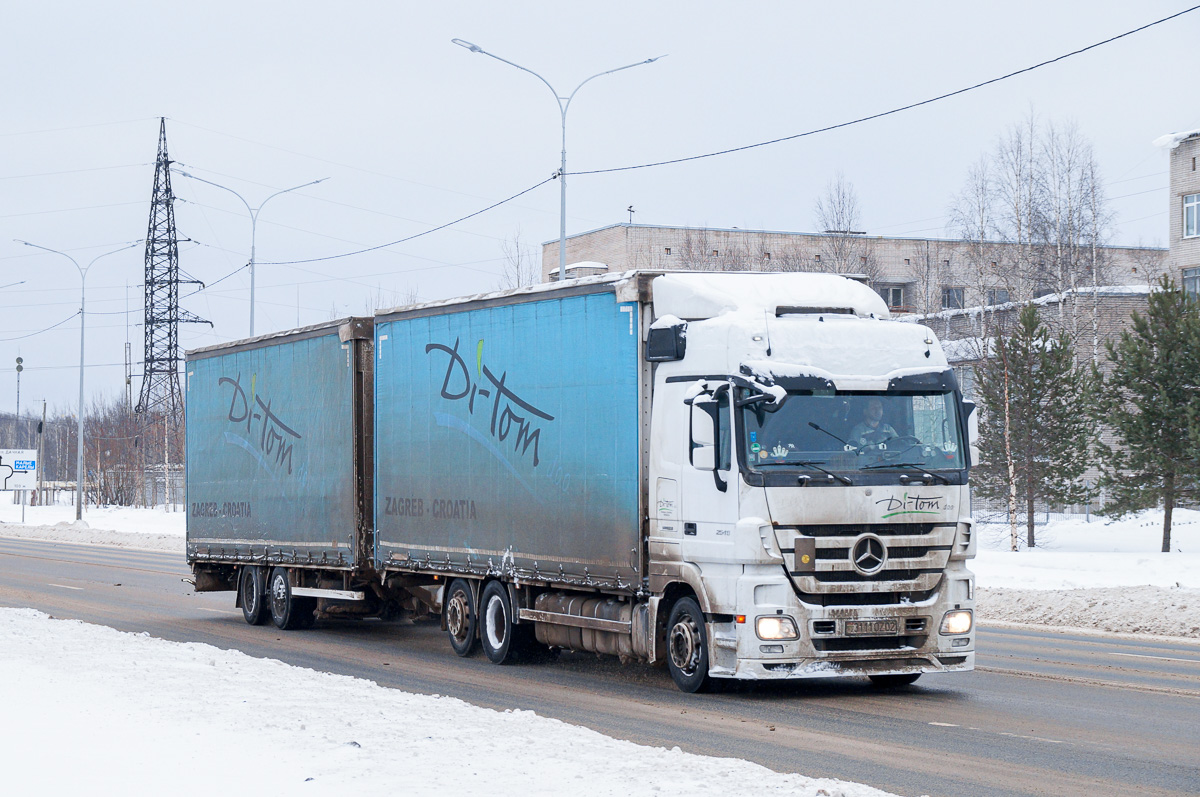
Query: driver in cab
871, 431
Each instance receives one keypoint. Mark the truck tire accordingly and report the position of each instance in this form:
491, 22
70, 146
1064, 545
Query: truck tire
461, 617
687, 646
251, 594
893, 681
496, 629
287, 611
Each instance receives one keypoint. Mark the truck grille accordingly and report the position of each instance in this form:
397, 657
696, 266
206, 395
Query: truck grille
864, 564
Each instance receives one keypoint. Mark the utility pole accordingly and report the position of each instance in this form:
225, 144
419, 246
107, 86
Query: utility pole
20, 367
41, 446
160, 379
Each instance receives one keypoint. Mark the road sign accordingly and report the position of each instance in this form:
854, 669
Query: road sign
18, 469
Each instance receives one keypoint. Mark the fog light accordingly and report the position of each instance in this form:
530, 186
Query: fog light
961, 642
771, 648
957, 622
775, 627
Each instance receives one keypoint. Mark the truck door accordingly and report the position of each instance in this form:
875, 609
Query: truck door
709, 480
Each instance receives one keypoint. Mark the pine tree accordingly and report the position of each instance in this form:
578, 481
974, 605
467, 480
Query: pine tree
1036, 440
1150, 401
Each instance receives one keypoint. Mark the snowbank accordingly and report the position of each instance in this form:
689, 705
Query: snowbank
123, 709
1129, 610
126, 527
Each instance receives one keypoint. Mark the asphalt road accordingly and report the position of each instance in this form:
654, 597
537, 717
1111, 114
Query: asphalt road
1045, 713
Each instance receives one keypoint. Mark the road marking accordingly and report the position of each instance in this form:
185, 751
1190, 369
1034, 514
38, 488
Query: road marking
218, 611
1160, 658
64, 586
945, 725
1031, 738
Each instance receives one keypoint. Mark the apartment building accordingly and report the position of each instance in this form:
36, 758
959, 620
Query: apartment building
913, 275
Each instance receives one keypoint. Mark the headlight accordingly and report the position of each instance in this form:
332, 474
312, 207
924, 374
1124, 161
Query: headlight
776, 628
957, 622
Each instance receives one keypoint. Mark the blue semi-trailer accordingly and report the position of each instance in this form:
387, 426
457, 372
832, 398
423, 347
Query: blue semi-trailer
667, 467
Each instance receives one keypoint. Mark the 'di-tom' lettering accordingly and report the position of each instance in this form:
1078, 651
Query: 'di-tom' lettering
511, 416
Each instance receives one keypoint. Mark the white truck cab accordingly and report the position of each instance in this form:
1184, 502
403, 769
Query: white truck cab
808, 483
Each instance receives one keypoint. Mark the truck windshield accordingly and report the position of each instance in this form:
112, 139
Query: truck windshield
854, 431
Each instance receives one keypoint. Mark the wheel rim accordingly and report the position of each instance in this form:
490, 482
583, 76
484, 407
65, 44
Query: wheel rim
457, 616
279, 594
496, 623
685, 645
249, 594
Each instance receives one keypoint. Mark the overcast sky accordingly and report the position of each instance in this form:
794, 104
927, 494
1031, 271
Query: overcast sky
414, 131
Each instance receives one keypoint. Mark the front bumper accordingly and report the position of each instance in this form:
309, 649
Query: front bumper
834, 641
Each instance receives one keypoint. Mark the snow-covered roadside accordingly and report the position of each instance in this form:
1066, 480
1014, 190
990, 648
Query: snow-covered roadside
1106, 575
127, 527
124, 710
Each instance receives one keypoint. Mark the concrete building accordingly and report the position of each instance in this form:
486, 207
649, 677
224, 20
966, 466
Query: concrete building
914, 275
1183, 212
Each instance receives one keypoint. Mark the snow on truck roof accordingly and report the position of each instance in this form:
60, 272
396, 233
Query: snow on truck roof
697, 294
707, 295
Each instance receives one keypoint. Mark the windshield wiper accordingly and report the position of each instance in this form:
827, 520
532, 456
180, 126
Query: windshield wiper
913, 465
817, 466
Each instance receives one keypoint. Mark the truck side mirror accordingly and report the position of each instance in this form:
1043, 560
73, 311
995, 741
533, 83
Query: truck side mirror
972, 414
703, 435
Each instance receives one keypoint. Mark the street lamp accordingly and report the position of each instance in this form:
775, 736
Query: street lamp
82, 297
564, 103
253, 224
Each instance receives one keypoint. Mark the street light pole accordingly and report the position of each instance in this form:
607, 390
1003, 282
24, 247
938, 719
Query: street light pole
253, 224
82, 317
564, 104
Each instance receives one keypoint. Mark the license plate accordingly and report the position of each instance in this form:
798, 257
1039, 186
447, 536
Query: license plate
871, 627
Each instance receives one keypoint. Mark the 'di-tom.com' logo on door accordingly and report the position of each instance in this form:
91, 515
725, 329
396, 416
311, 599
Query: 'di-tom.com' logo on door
913, 505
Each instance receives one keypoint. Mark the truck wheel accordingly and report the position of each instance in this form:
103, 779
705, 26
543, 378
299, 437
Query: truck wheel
892, 681
287, 612
461, 621
687, 646
496, 631
250, 592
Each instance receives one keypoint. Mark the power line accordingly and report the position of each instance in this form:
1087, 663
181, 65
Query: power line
893, 110
71, 171
411, 237
47, 329
76, 127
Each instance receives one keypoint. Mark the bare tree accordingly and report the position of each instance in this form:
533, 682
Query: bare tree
521, 266
843, 249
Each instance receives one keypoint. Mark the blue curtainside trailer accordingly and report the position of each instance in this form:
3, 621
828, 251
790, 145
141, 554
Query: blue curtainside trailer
508, 439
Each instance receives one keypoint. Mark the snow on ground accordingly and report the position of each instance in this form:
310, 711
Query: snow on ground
123, 708
126, 526
1107, 575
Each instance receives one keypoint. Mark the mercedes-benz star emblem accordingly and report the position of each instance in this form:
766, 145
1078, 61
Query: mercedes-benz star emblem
868, 555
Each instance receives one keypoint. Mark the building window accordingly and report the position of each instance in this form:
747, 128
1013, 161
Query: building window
817, 258
893, 296
716, 252
668, 250
1191, 210
953, 298
1191, 281
946, 263
862, 261
766, 255
997, 296
906, 261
